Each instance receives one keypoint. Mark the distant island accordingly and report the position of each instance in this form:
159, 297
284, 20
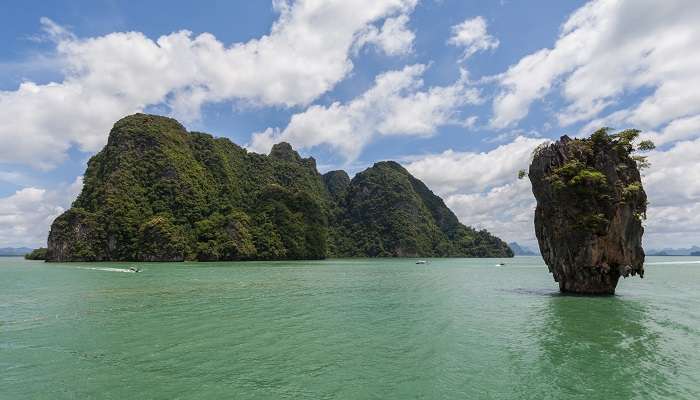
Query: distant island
14, 251
159, 193
694, 250
519, 250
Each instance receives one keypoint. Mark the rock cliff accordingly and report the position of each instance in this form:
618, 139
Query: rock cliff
590, 207
159, 193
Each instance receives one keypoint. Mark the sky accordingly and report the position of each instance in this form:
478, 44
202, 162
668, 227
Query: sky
460, 92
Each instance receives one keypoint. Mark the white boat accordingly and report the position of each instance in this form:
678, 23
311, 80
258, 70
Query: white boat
421, 262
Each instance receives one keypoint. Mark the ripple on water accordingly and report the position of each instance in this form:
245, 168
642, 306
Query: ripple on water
345, 329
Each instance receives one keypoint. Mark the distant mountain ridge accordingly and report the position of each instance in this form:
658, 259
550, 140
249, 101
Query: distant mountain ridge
159, 193
14, 251
519, 250
674, 252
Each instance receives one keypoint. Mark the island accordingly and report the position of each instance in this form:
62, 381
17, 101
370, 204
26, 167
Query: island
157, 192
590, 207
519, 250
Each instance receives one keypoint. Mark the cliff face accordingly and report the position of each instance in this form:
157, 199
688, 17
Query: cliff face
159, 193
590, 206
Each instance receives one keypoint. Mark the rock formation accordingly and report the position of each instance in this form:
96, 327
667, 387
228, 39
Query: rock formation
159, 193
590, 206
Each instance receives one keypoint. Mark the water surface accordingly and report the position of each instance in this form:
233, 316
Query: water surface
344, 329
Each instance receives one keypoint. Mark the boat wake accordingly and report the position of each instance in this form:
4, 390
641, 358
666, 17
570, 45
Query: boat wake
109, 269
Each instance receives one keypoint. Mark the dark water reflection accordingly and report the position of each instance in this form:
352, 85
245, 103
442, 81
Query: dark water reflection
601, 348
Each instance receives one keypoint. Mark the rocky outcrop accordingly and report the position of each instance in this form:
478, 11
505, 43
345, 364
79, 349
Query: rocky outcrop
337, 183
73, 237
157, 192
590, 206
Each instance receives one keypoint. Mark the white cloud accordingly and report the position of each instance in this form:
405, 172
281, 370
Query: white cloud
678, 129
395, 105
12, 177
482, 188
394, 38
674, 176
607, 50
470, 172
305, 54
25, 216
507, 211
472, 35
672, 184
673, 226
627, 63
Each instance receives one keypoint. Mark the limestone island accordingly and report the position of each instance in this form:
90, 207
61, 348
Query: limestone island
157, 192
590, 207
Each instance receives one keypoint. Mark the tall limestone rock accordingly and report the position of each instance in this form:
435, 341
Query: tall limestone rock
590, 207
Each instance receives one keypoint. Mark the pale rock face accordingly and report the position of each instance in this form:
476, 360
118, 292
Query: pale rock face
585, 260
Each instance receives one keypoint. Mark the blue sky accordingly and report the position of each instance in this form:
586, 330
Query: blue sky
458, 91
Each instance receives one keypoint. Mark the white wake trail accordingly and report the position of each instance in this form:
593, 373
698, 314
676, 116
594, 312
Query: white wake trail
109, 269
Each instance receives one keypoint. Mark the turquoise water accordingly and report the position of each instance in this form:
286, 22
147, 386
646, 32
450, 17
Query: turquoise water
344, 329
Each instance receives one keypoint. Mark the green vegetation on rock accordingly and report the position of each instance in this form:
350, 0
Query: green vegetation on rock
37, 254
582, 180
388, 212
590, 206
159, 193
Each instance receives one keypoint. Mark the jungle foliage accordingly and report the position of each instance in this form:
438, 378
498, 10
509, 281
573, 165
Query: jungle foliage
583, 181
159, 193
37, 254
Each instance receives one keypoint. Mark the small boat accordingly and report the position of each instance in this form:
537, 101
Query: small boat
500, 264
134, 269
421, 262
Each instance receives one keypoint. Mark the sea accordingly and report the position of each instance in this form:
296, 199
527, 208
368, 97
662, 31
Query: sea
344, 329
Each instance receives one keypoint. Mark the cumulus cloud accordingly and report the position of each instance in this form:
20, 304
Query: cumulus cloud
396, 104
672, 184
26, 215
674, 175
472, 172
12, 177
608, 49
506, 211
482, 188
617, 64
394, 38
472, 36
305, 54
